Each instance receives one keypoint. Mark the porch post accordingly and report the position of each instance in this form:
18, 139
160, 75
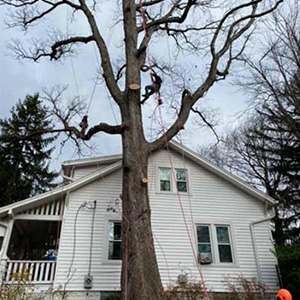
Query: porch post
3, 253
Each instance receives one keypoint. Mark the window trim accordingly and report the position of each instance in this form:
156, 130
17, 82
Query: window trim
173, 179
110, 223
107, 220
213, 235
211, 240
230, 242
159, 180
186, 179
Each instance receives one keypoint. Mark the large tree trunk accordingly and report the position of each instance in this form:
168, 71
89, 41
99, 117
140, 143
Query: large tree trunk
140, 274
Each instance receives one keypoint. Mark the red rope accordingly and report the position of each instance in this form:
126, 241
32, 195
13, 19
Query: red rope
170, 159
148, 56
182, 210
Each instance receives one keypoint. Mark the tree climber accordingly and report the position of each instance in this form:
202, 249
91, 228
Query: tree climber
153, 88
84, 125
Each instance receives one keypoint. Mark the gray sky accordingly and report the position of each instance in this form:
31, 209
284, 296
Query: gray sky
19, 78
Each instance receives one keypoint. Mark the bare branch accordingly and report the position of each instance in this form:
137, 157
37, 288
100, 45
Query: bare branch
168, 18
38, 49
105, 58
27, 13
187, 102
196, 111
148, 3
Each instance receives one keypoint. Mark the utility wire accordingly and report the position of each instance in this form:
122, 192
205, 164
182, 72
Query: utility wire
92, 236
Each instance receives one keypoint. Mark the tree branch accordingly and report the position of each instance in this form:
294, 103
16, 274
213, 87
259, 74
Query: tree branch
148, 3
108, 73
187, 102
196, 111
168, 18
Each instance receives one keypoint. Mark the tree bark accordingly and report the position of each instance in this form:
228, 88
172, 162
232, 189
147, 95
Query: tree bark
140, 274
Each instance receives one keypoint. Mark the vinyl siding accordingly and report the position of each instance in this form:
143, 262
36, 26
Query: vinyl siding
106, 276
84, 171
212, 201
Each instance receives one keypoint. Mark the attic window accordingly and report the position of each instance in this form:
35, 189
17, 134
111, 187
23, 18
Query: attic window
115, 240
165, 179
172, 180
181, 180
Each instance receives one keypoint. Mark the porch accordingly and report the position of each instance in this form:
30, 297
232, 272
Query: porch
31, 250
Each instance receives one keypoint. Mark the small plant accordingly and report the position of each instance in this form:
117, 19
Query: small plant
242, 288
19, 289
187, 291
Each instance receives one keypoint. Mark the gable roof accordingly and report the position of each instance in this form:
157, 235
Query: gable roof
233, 179
115, 163
58, 192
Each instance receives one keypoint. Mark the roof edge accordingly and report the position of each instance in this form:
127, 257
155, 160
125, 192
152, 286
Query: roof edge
60, 191
116, 161
235, 180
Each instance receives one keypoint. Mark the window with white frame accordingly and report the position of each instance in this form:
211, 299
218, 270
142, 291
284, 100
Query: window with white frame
204, 241
215, 239
181, 180
115, 240
224, 245
173, 180
165, 179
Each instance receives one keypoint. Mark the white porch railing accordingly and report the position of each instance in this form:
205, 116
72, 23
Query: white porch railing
40, 271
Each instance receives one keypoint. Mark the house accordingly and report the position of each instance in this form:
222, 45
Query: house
73, 231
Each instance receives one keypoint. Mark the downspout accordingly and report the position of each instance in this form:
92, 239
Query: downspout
254, 244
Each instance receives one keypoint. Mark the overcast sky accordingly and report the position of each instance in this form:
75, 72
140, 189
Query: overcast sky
19, 78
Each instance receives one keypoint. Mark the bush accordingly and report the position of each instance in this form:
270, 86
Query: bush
21, 289
187, 291
242, 288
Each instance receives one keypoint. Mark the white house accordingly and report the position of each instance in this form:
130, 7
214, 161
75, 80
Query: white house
64, 235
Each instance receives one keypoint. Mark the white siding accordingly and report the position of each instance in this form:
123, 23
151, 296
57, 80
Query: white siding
106, 276
84, 171
212, 199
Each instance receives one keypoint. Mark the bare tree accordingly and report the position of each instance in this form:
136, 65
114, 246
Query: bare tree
190, 24
264, 150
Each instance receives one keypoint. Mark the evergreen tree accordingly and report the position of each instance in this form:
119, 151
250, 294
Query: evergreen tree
281, 130
25, 161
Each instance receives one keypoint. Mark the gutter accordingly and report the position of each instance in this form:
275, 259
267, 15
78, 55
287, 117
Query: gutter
253, 241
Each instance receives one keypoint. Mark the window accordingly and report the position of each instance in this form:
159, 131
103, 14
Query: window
165, 179
115, 240
181, 180
203, 235
224, 247
173, 180
216, 241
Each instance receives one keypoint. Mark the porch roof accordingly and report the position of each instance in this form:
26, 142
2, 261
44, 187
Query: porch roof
57, 192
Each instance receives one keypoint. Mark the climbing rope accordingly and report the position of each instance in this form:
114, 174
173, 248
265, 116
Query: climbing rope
169, 156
